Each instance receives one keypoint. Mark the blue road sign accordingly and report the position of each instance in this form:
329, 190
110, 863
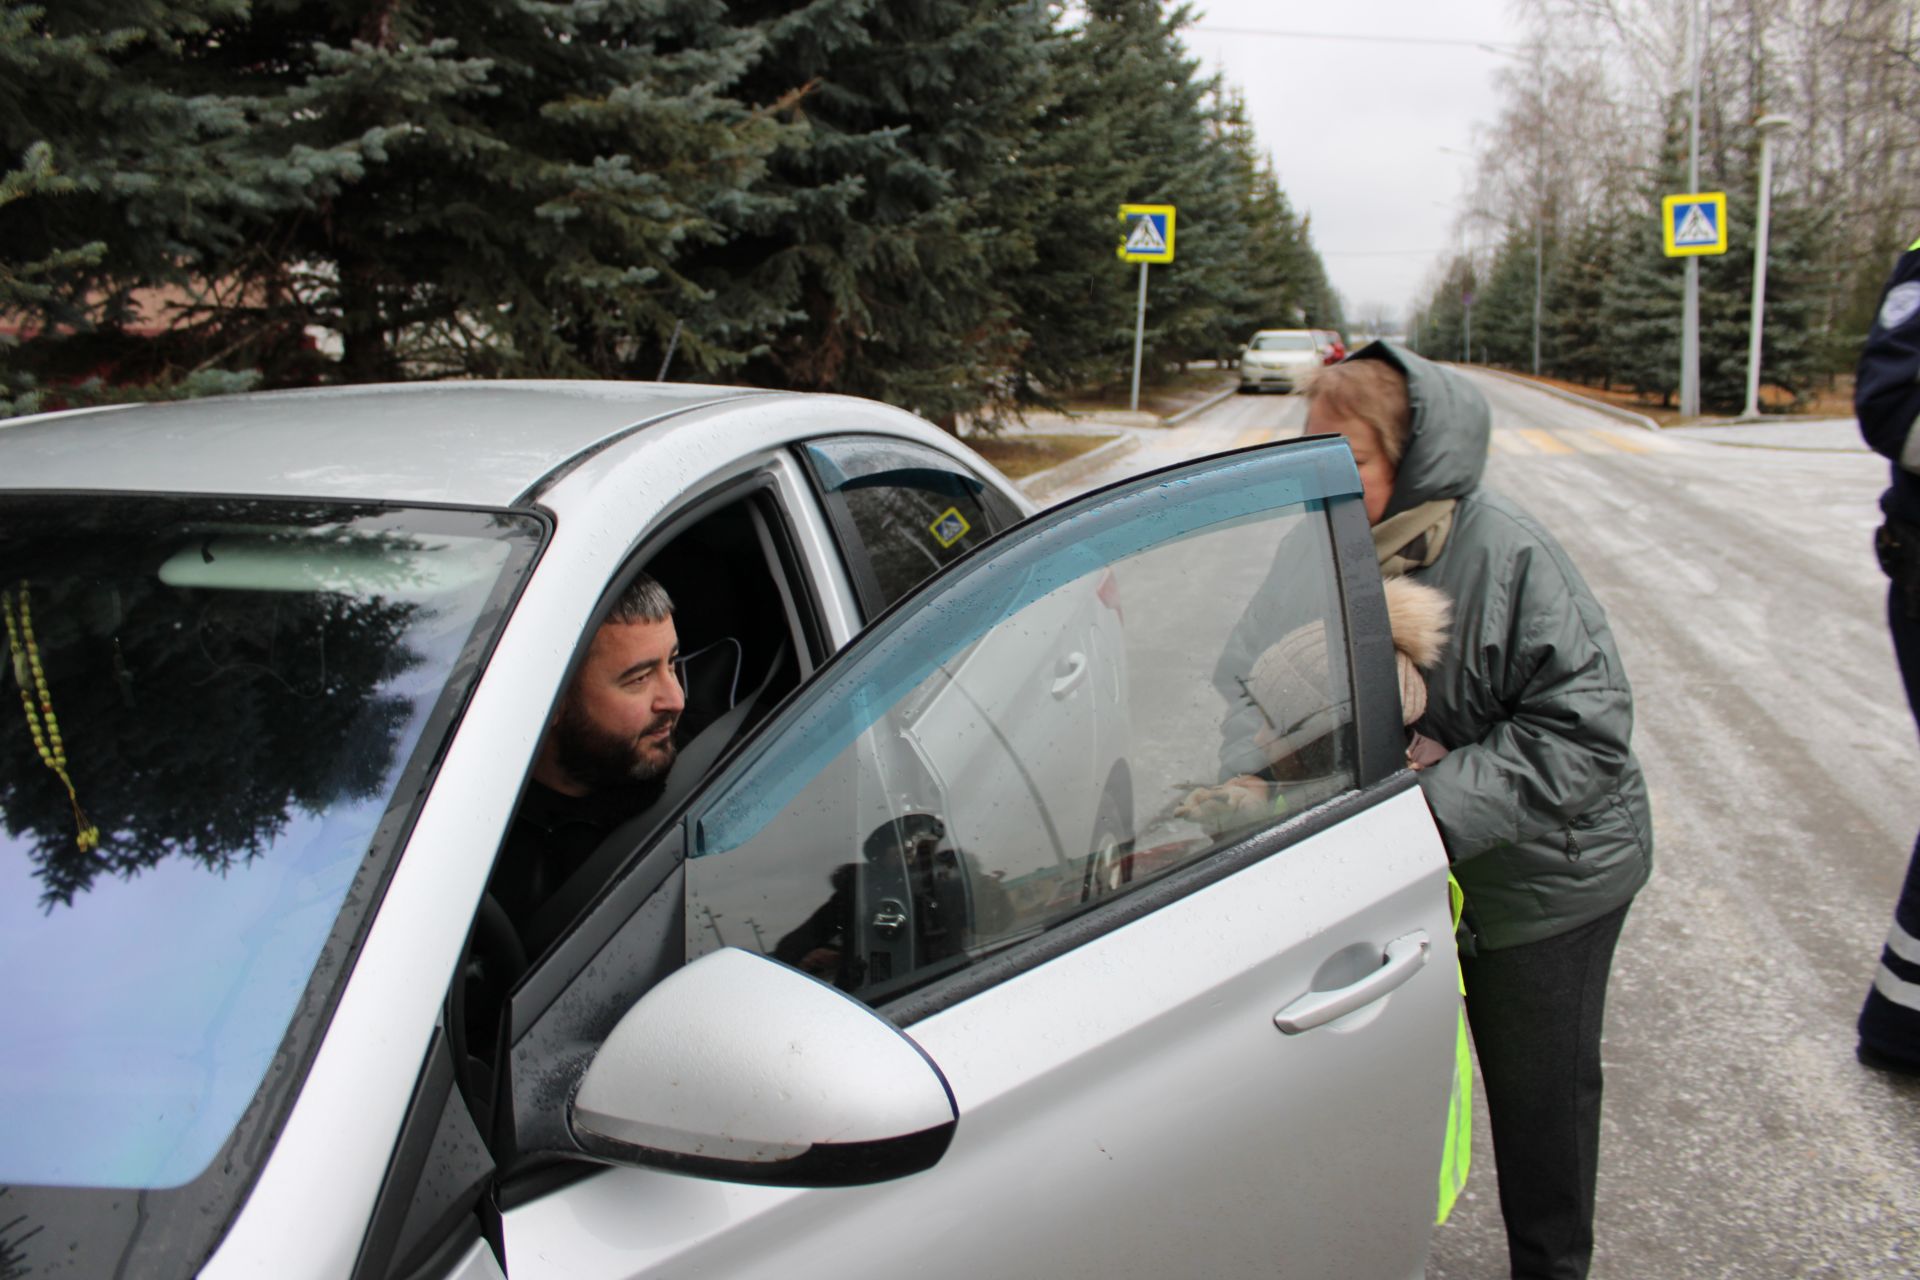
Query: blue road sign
1149, 235
1694, 223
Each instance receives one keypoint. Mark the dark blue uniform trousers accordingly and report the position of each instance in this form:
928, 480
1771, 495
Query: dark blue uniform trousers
1890, 1019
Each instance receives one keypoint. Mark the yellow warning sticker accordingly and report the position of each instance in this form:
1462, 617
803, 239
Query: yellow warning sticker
950, 527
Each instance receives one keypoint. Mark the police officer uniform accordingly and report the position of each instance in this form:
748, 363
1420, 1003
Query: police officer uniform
1887, 400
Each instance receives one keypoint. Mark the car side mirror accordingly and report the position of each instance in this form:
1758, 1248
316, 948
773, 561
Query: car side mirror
740, 1068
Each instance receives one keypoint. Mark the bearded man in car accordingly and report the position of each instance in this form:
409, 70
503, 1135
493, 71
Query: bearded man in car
606, 753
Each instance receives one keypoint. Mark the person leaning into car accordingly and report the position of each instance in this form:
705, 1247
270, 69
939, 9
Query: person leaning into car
605, 755
1538, 797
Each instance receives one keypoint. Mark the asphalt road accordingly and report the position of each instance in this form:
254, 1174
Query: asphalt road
1741, 1139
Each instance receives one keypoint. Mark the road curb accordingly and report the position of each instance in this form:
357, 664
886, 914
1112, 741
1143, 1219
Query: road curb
1041, 483
1640, 420
1206, 404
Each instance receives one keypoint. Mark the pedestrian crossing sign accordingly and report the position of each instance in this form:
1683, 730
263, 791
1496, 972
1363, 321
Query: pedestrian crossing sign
1694, 224
950, 527
1149, 234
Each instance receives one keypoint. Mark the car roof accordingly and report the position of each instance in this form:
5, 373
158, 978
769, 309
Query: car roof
470, 443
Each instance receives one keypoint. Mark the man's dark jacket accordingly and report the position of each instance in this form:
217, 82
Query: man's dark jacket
1886, 391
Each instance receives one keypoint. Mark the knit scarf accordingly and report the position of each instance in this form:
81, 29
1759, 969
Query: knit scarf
1413, 539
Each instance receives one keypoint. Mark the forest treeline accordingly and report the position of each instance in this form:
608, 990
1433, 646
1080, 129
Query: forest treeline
1565, 212
913, 200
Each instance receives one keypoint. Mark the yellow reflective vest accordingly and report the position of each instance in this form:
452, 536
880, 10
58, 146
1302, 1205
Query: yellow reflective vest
1457, 1153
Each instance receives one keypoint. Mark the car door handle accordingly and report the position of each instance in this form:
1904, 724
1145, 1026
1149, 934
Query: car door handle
1404, 958
1071, 670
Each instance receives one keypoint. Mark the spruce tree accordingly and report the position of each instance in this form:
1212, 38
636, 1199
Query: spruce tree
1790, 342
1574, 340
888, 226
1797, 349
1503, 311
1440, 326
496, 187
1642, 302
25, 284
116, 188
1280, 280
1198, 304
1077, 300
1640, 306
1319, 301
474, 186
1132, 122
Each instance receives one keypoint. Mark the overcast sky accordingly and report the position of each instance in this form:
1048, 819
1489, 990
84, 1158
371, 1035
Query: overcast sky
1356, 126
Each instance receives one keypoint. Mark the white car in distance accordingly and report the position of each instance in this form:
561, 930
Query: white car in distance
1277, 359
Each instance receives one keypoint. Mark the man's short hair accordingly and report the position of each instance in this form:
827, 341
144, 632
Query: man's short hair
1371, 390
644, 600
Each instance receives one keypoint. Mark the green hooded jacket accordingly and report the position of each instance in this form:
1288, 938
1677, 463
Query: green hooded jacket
1540, 800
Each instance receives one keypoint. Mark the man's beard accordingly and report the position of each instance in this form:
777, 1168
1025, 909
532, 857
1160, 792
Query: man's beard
600, 759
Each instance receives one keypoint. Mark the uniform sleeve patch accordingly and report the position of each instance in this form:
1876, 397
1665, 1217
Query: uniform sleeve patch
1901, 302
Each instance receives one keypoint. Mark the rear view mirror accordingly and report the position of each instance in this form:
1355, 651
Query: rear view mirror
740, 1068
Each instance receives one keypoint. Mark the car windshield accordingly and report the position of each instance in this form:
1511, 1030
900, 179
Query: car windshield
209, 708
1283, 342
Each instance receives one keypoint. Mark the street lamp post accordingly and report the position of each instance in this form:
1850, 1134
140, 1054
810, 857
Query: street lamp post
1766, 125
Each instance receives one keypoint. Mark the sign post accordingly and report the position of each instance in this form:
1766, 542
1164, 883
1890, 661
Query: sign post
1148, 238
1692, 224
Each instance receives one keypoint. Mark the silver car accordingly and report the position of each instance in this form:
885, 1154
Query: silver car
1277, 359
928, 959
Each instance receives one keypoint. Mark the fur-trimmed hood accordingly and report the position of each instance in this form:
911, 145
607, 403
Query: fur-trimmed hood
1419, 616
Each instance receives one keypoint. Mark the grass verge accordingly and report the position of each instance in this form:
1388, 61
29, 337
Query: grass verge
1826, 401
1022, 456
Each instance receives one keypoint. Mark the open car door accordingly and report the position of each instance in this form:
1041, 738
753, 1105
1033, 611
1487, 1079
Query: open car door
1195, 1035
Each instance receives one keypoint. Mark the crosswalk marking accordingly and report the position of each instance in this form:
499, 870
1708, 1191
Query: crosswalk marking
1544, 441
1534, 441
1591, 442
1643, 442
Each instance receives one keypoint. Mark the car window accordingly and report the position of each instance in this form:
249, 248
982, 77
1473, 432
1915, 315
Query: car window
742, 621
230, 708
901, 512
1057, 725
